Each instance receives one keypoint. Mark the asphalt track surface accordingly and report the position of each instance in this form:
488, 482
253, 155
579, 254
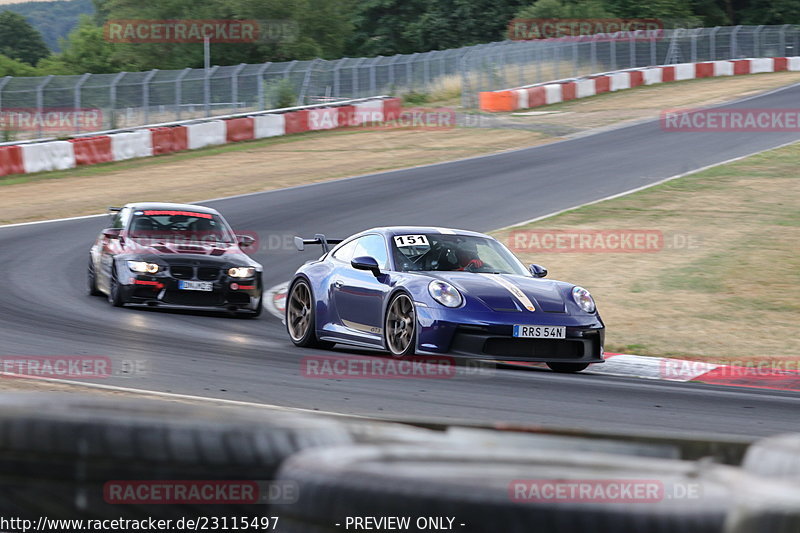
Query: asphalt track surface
45, 311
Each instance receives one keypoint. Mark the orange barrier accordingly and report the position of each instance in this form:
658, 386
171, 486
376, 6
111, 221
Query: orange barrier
296, 121
11, 160
167, 140
498, 100
637, 78
92, 150
239, 129
704, 70
568, 91
537, 96
781, 63
741, 66
347, 116
392, 108
602, 84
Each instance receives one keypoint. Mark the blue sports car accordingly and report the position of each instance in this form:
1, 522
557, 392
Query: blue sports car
433, 291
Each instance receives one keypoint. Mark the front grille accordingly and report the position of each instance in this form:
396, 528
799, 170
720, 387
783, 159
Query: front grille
182, 272
239, 298
197, 298
556, 348
208, 273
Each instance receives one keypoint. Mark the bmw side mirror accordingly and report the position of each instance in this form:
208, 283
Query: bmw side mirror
111, 233
245, 241
366, 263
538, 271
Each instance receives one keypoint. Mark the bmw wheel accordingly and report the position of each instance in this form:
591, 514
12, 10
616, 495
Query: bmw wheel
115, 291
400, 327
91, 280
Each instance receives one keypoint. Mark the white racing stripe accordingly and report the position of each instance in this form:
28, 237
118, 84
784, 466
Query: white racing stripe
513, 289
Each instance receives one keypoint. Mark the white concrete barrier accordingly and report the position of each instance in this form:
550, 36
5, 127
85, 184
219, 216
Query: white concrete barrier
129, 145
54, 155
620, 81
552, 93
269, 126
205, 134
761, 64
323, 119
652, 76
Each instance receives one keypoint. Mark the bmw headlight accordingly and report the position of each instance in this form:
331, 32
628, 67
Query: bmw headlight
143, 267
241, 272
444, 293
583, 299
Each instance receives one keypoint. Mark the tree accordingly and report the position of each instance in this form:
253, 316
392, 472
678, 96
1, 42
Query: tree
566, 10
85, 50
12, 67
19, 40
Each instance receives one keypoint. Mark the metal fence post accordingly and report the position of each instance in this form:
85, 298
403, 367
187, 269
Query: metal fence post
612, 51
426, 71
40, 99
355, 85
235, 85
77, 100
146, 94
3, 83
112, 99
632, 48
653, 58
301, 96
575, 59
712, 43
262, 104
782, 37
593, 55
373, 81
757, 41
336, 74
734, 43
179, 91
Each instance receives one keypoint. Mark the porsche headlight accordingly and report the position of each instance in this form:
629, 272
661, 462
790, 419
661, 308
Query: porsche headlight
143, 267
583, 299
444, 293
241, 272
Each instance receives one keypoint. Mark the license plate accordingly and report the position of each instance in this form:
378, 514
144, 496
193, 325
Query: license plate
206, 286
541, 332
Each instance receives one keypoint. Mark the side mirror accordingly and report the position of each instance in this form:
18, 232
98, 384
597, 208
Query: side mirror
538, 271
366, 263
111, 233
245, 241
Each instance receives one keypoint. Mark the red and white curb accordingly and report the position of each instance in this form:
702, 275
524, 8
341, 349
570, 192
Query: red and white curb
759, 375
275, 300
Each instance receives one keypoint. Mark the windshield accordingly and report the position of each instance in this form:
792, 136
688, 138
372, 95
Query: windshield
444, 252
179, 227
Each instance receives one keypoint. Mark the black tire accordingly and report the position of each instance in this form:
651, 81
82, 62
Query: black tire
59, 450
91, 281
474, 486
307, 338
400, 336
567, 368
115, 297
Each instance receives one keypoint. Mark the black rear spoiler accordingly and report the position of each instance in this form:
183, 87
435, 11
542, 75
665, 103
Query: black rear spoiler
113, 209
320, 239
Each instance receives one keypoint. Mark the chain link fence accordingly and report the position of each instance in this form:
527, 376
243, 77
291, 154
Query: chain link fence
129, 99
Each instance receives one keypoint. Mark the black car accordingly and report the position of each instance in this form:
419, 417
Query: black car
174, 255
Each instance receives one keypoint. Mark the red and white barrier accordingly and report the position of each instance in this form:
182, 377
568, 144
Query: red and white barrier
269, 126
53, 155
146, 142
528, 97
204, 134
131, 144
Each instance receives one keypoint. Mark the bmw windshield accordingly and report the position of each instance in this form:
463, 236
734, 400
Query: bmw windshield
179, 227
446, 252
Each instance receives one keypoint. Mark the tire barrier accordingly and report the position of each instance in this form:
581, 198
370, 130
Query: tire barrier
60, 453
522, 98
503, 489
59, 155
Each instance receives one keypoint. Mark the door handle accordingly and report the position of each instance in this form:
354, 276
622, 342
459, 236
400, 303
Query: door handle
337, 284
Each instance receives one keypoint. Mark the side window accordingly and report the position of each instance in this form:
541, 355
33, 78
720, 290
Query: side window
345, 252
373, 246
120, 221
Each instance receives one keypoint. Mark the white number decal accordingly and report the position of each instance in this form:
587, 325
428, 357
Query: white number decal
410, 240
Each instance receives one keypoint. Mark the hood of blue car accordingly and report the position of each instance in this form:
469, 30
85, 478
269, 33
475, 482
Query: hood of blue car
505, 292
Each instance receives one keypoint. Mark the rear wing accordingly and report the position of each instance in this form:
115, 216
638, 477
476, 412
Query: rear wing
319, 238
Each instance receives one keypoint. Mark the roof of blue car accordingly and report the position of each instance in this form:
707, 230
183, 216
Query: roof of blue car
409, 230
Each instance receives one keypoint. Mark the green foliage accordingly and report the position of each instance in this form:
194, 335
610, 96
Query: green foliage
19, 40
566, 9
415, 98
279, 94
12, 67
54, 20
85, 50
